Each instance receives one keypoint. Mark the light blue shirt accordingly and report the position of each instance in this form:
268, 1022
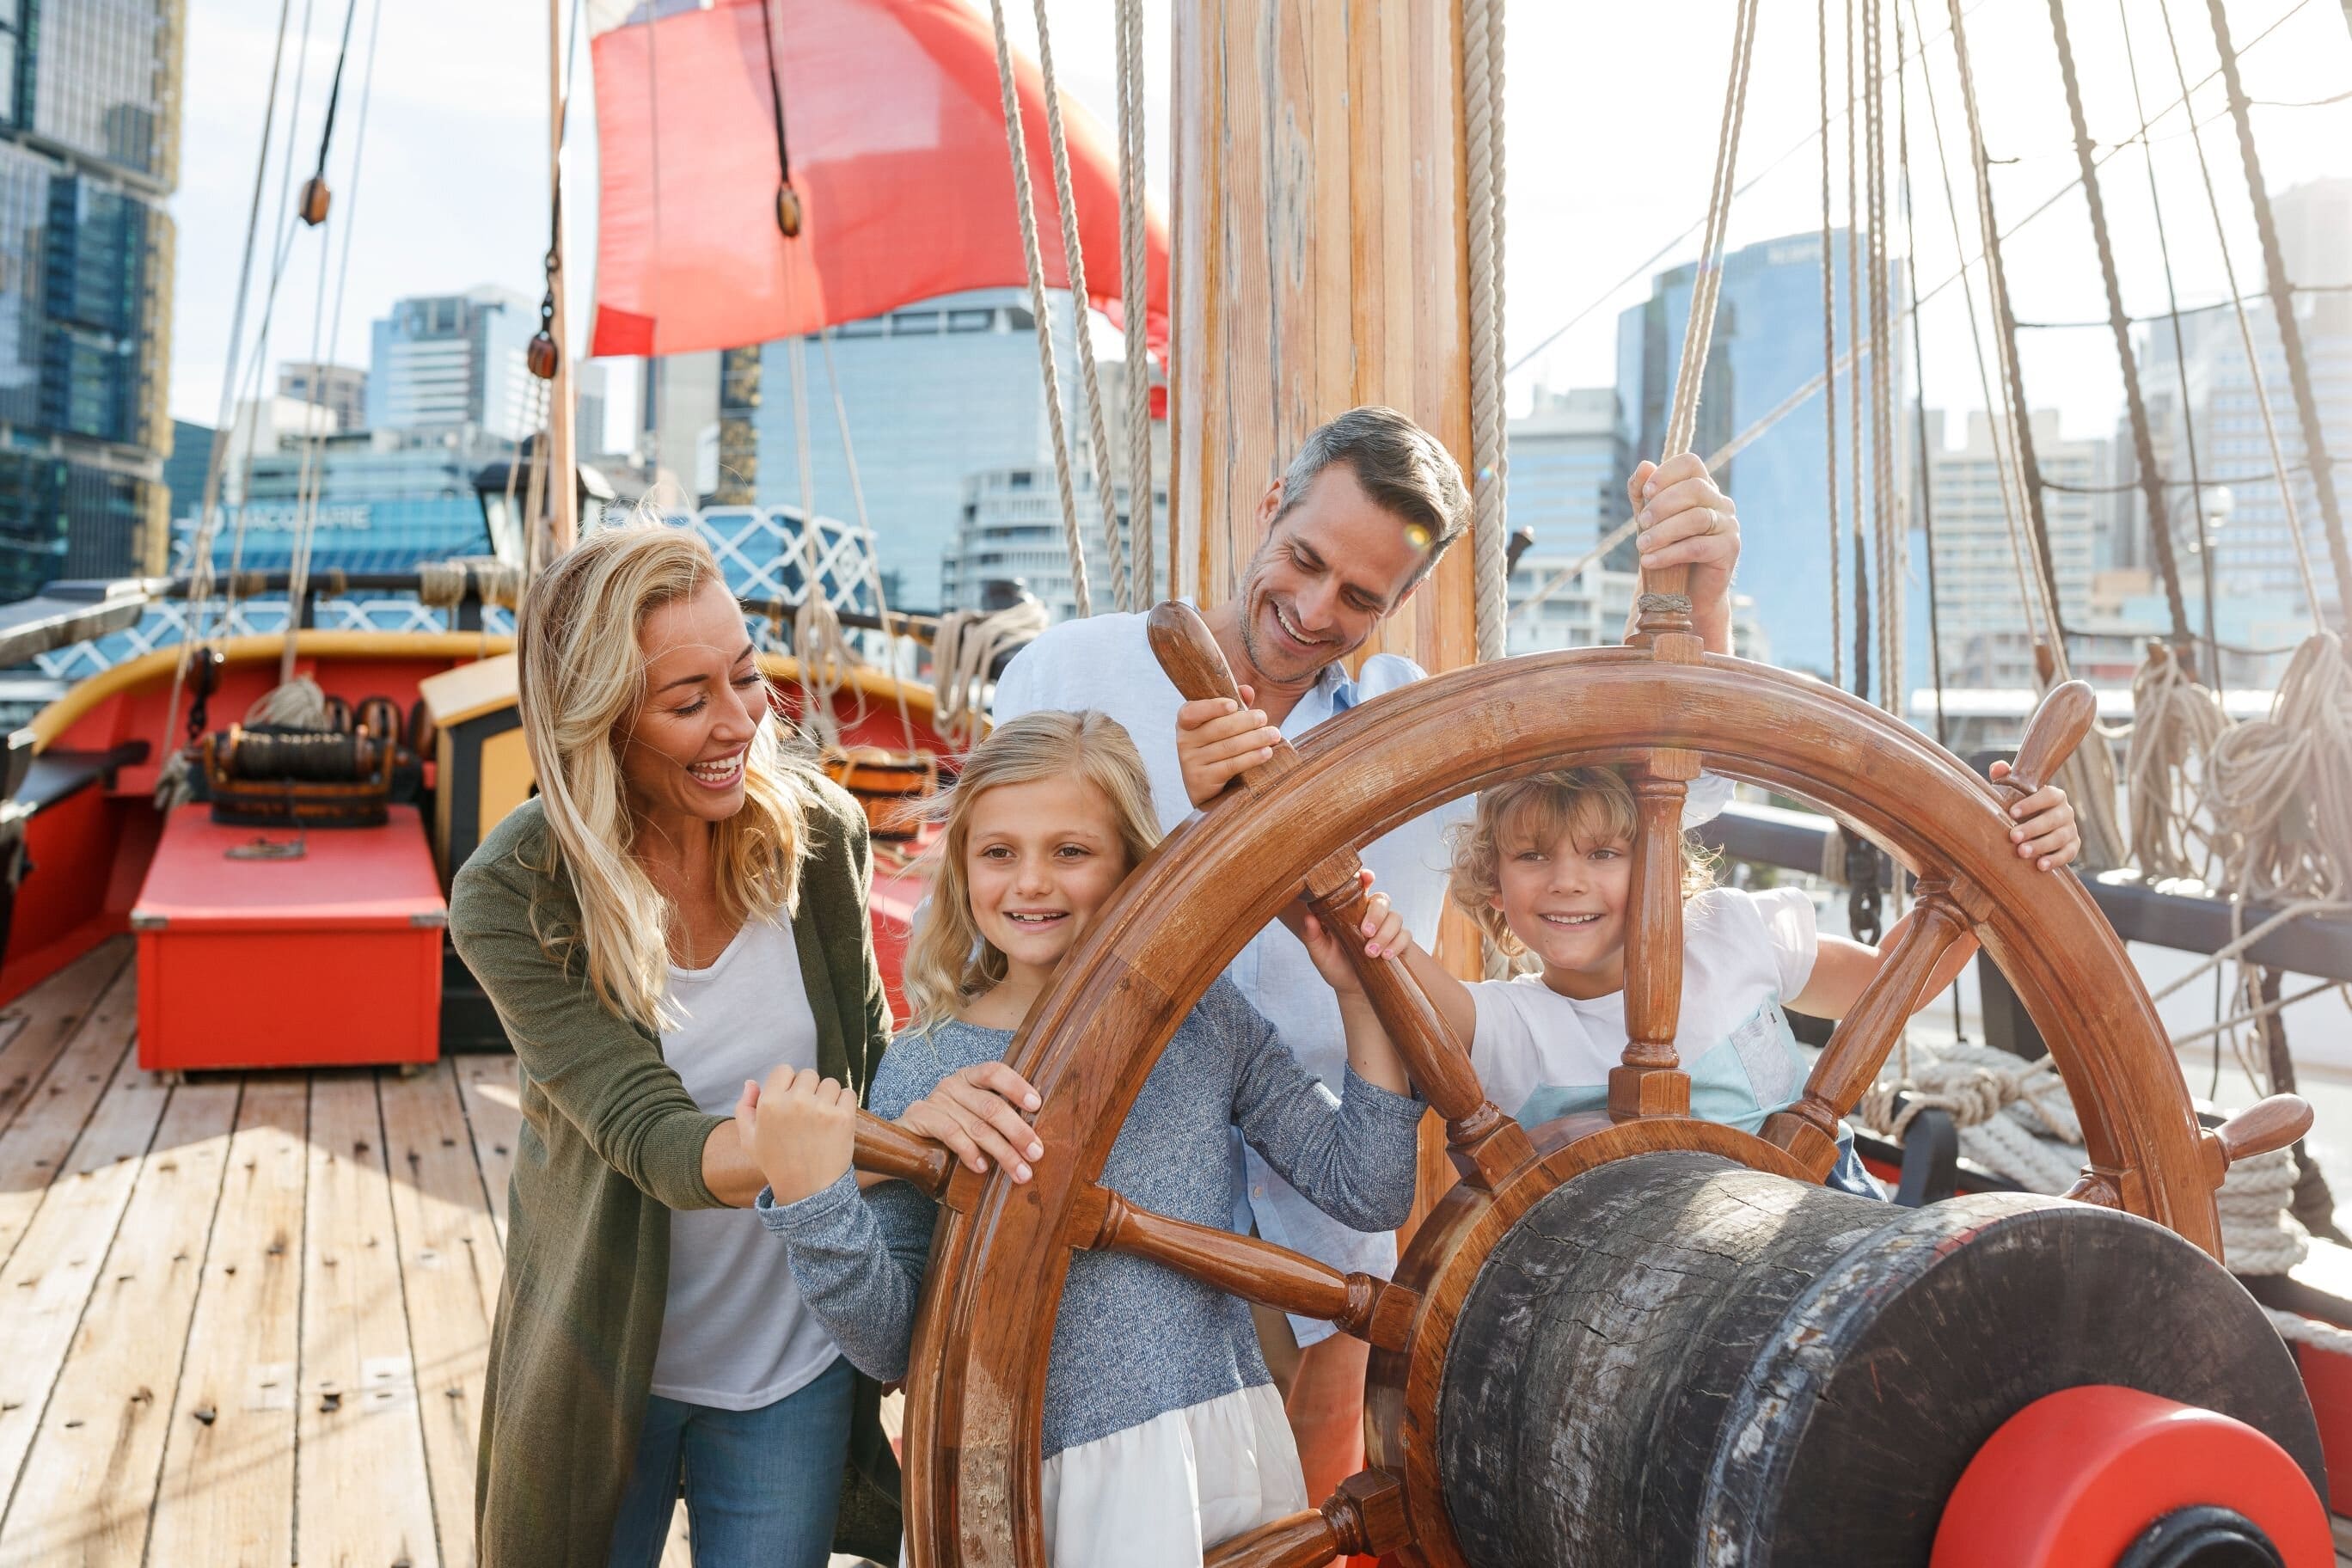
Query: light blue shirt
1105, 663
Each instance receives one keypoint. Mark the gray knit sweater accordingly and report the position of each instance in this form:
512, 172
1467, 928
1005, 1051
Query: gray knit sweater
1133, 1339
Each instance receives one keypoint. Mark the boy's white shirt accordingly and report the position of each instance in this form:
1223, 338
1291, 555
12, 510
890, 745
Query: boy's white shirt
1105, 662
1744, 956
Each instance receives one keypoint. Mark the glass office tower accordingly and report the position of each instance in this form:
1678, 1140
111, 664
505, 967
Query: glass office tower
89, 134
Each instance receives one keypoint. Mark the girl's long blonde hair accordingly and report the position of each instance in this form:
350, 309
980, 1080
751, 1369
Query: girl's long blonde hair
581, 679
948, 963
1596, 804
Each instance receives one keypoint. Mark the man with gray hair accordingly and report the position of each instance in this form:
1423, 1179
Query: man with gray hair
1351, 528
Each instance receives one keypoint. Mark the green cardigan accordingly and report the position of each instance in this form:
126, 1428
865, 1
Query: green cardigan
609, 1144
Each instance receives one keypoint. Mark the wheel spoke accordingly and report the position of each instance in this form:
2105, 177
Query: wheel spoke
1651, 1081
1484, 1144
1260, 1272
1850, 1063
1366, 1516
888, 1150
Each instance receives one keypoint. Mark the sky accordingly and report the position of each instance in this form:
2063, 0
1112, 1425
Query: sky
1611, 111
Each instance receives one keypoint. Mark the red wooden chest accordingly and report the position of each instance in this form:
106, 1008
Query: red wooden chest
329, 958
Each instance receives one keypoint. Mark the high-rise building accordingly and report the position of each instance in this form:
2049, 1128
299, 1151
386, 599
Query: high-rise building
449, 359
2255, 553
1981, 607
589, 381
678, 417
1009, 531
185, 471
1766, 346
88, 150
1568, 469
340, 389
933, 394
384, 500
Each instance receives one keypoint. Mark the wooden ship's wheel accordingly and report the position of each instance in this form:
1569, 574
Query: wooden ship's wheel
1636, 1337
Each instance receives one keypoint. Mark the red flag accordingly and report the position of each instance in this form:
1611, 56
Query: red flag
895, 122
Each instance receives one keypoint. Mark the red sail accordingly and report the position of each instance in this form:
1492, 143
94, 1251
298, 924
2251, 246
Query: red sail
896, 127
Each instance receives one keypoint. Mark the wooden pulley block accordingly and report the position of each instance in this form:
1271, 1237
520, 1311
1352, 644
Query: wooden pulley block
541, 357
788, 212
316, 200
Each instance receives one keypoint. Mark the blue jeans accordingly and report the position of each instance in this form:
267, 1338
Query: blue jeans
762, 1486
1850, 1175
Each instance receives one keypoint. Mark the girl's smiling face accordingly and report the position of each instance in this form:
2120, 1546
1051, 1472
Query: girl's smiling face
1039, 859
1565, 900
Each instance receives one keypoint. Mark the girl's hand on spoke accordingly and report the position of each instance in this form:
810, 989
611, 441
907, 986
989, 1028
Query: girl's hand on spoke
2042, 827
982, 1113
805, 1130
1383, 928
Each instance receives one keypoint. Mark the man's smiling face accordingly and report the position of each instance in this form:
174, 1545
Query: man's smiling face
1331, 568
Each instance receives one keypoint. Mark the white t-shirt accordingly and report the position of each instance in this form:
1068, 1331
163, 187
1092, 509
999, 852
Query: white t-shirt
1541, 1055
734, 1334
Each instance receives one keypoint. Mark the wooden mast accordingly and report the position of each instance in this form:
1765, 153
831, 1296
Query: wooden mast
1320, 261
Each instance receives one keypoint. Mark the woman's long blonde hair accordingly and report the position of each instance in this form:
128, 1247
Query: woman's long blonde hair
1596, 804
948, 963
581, 678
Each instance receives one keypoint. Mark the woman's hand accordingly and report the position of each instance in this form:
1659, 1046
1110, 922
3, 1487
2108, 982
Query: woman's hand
802, 1130
2044, 824
980, 1114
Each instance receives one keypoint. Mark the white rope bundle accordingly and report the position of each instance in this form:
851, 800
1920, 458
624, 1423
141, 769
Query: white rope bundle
296, 704
2174, 720
443, 584
821, 647
2281, 788
965, 648
2016, 1119
2013, 1115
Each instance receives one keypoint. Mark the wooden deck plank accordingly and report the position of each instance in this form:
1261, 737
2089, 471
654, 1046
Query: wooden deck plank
48, 1281
34, 1148
449, 1262
364, 1497
38, 1025
89, 1485
227, 1495
494, 1110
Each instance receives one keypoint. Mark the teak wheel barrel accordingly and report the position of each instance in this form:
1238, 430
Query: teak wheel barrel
1772, 1312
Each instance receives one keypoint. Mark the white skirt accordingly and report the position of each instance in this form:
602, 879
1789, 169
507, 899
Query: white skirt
1160, 1494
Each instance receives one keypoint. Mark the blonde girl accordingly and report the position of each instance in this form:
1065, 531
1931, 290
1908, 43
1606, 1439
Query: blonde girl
1545, 867
1163, 1434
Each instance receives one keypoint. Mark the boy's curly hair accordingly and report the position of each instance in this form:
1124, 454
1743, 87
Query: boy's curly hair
1594, 804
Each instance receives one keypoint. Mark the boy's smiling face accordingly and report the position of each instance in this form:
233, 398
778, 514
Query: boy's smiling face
1564, 898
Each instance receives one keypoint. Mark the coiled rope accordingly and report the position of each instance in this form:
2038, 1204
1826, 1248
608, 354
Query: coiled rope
964, 649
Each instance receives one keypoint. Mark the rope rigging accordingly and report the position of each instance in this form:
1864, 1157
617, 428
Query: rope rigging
1134, 293
315, 198
1074, 258
1855, 261
1017, 144
1829, 363
1482, 94
788, 200
2290, 331
2159, 523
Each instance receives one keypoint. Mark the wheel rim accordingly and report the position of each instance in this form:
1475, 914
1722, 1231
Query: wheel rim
973, 1435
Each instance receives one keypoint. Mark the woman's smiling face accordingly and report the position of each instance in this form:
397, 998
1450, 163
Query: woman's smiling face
682, 751
1039, 860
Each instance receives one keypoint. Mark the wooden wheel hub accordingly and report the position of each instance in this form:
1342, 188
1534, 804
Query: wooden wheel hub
974, 1398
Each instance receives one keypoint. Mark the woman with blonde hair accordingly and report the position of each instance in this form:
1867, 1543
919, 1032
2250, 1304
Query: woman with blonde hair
680, 911
1162, 1433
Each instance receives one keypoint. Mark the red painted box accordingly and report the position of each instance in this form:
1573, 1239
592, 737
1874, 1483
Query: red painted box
330, 958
